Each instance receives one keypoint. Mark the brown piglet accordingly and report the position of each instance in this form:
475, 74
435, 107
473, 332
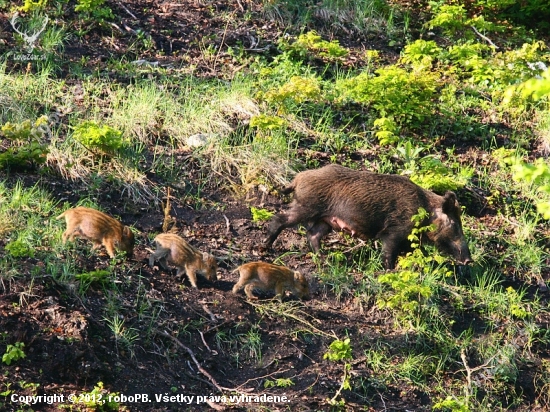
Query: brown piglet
98, 227
174, 249
269, 277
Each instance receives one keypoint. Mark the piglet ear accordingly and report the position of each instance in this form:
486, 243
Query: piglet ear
450, 203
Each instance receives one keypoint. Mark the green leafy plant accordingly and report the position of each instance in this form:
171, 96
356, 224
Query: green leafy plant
429, 172
104, 138
340, 350
279, 383
452, 404
296, 91
421, 53
93, 10
265, 122
100, 399
30, 5
20, 248
537, 173
387, 130
454, 20
13, 353
24, 146
413, 284
406, 97
311, 45
260, 215
99, 277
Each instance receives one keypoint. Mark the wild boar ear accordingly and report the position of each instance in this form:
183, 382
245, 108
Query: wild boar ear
450, 203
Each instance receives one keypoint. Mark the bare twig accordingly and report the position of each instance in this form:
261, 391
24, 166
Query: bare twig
199, 367
488, 40
262, 377
212, 316
167, 218
227, 225
240, 6
361, 244
132, 15
469, 371
206, 344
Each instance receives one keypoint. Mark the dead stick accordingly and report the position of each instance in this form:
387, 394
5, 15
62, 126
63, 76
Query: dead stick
190, 352
227, 224
212, 316
487, 39
167, 218
204, 342
132, 15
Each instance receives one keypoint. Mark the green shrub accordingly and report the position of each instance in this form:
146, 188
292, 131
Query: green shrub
260, 215
407, 97
265, 122
13, 353
93, 10
297, 90
30, 5
421, 52
97, 137
24, 148
19, 248
310, 45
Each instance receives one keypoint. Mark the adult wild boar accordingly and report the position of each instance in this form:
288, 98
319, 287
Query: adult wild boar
370, 206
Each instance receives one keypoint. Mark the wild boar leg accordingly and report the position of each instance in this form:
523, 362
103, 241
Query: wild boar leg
248, 289
160, 255
279, 291
110, 248
282, 221
190, 272
393, 241
317, 232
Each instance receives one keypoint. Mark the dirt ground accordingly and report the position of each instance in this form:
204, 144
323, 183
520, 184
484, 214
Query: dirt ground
70, 347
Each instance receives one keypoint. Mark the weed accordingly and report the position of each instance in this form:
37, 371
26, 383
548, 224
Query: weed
252, 344
99, 399
124, 336
94, 10
100, 277
279, 383
340, 350
260, 215
14, 353
27, 149
95, 137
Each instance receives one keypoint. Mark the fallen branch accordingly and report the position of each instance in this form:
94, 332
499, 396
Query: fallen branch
132, 15
197, 364
488, 40
211, 381
212, 316
265, 376
206, 344
469, 371
228, 227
